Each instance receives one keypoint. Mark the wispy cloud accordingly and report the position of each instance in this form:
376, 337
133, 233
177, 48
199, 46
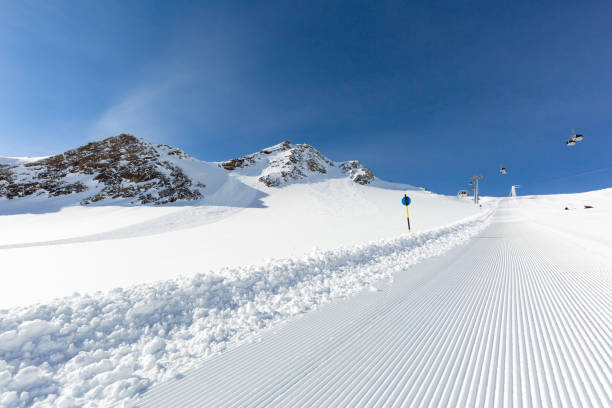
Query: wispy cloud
138, 112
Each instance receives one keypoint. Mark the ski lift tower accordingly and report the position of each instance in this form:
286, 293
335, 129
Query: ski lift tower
474, 183
513, 191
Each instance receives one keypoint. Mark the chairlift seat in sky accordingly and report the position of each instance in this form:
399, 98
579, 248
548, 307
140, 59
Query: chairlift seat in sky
503, 170
570, 142
577, 138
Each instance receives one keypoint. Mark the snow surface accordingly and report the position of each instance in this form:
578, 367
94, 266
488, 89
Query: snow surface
519, 316
103, 301
16, 161
162, 289
96, 350
89, 248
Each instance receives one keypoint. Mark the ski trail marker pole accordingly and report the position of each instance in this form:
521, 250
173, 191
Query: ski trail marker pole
406, 202
408, 218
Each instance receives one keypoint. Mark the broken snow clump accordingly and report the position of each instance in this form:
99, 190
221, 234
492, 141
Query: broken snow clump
281, 164
117, 167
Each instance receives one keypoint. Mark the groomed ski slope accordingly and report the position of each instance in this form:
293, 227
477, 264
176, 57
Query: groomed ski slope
519, 316
96, 350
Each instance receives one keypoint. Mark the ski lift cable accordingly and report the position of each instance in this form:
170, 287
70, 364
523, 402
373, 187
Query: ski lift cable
568, 176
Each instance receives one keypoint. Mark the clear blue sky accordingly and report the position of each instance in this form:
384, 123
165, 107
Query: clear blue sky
425, 93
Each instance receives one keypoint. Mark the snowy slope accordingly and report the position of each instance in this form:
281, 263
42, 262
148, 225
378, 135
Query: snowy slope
18, 161
96, 350
577, 222
273, 235
238, 220
287, 232
83, 249
514, 318
517, 315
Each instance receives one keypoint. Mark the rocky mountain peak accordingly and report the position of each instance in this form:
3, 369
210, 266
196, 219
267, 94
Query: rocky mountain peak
122, 166
286, 162
139, 172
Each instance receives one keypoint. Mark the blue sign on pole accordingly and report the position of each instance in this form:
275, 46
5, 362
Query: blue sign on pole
406, 202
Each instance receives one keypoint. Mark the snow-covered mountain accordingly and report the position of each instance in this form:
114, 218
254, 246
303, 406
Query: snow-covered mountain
285, 162
117, 167
127, 168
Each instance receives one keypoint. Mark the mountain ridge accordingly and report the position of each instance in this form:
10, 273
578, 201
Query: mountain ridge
287, 162
133, 169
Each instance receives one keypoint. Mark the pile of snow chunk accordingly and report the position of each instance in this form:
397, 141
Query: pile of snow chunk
101, 349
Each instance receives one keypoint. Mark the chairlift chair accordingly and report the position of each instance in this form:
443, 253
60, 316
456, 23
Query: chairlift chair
570, 142
576, 137
503, 170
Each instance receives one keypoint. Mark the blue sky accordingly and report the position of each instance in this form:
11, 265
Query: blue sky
425, 93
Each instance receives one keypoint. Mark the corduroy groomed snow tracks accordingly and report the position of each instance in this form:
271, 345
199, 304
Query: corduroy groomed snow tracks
517, 317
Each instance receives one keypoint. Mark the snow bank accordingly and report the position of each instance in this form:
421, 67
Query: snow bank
108, 348
60, 253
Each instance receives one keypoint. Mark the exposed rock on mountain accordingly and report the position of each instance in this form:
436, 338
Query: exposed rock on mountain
285, 162
357, 172
132, 169
118, 167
